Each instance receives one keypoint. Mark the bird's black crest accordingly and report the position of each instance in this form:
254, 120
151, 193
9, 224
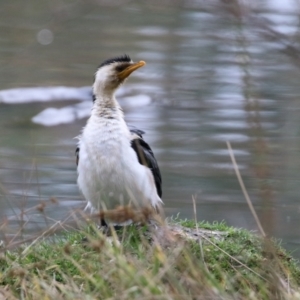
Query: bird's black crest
123, 58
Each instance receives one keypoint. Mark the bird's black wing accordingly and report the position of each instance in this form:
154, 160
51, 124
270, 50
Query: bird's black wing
146, 157
77, 155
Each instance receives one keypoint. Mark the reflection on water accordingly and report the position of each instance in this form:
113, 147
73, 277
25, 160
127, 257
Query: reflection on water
212, 76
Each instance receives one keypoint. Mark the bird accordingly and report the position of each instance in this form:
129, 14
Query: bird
115, 165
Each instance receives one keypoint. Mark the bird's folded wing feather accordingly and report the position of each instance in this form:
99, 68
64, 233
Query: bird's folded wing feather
146, 157
77, 155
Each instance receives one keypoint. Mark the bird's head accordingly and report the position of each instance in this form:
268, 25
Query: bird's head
113, 72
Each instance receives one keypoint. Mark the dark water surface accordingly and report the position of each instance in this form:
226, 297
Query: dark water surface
214, 73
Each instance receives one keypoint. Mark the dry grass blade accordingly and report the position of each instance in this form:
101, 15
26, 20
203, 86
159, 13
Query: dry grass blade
239, 177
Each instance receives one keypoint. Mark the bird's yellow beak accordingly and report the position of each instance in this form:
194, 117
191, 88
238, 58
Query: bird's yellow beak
125, 73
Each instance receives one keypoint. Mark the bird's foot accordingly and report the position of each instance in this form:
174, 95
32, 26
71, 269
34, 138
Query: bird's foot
107, 230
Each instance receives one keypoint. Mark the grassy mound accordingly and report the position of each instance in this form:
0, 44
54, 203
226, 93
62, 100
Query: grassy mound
178, 262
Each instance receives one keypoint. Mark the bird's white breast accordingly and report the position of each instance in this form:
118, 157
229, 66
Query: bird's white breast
109, 173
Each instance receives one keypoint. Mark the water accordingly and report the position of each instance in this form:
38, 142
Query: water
213, 75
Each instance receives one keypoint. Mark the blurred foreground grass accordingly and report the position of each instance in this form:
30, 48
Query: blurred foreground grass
174, 262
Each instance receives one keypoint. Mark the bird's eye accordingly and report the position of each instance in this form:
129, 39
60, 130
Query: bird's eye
121, 68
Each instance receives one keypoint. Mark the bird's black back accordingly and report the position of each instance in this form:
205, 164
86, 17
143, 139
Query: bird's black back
146, 157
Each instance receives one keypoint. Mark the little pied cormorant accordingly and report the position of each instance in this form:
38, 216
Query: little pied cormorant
115, 165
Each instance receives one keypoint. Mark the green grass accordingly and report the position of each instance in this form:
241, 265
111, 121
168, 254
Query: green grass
220, 226
136, 263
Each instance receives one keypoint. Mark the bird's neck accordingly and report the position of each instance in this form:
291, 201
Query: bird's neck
106, 106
